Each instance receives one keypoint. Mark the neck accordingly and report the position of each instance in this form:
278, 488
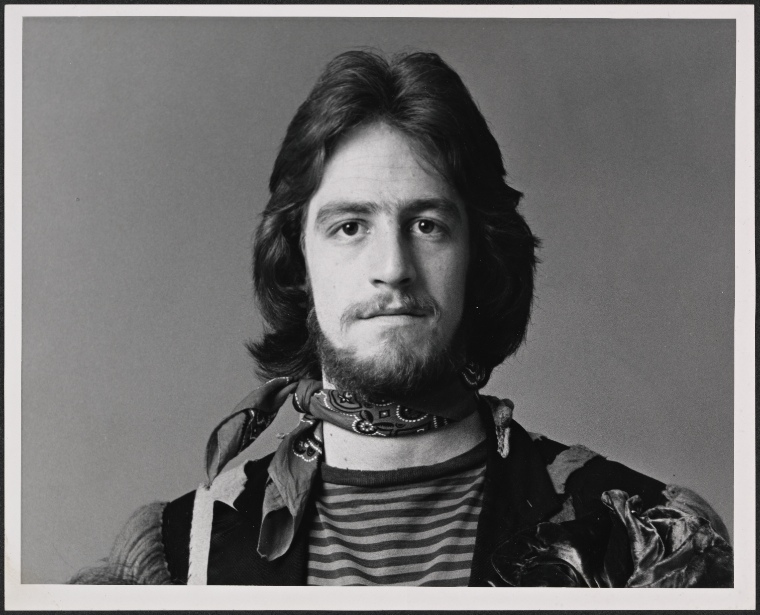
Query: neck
351, 451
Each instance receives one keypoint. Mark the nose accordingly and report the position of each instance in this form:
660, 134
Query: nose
392, 264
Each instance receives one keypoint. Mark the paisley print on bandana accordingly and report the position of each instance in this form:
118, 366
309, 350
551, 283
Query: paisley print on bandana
375, 418
306, 444
307, 447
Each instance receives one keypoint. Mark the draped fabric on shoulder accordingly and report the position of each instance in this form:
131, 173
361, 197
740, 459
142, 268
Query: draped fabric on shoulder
672, 546
247, 422
617, 541
137, 556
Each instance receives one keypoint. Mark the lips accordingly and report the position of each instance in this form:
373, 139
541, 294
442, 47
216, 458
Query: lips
403, 306
400, 311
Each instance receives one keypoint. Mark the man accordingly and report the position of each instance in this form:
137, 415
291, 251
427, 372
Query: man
394, 273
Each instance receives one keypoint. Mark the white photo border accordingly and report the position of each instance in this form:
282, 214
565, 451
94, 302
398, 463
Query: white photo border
64, 597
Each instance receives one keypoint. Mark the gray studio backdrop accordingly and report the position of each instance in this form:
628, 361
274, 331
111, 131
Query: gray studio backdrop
147, 148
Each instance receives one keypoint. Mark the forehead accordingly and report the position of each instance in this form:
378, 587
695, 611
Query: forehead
378, 164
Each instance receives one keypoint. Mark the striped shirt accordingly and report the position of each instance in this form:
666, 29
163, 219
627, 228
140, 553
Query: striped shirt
414, 526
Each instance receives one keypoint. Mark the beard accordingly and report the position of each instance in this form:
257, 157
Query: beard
401, 368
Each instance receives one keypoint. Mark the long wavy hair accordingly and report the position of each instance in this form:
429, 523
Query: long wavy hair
419, 95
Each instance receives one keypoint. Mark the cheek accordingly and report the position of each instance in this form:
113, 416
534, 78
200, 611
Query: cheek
317, 268
324, 290
328, 285
451, 276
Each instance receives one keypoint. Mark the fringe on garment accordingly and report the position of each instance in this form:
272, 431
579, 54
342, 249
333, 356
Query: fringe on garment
137, 556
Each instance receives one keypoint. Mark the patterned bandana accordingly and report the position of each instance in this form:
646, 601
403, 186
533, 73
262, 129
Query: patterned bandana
293, 469
383, 418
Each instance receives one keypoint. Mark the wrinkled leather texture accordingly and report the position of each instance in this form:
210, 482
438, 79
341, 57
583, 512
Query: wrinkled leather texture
619, 545
584, 552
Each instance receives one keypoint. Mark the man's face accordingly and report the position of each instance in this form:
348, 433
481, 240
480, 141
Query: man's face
386, 244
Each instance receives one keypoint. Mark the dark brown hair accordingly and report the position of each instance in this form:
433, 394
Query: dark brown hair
422, 97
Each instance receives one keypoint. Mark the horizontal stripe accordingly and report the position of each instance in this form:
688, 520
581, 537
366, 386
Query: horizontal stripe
400, 528
449, 580
398, 543
397, 548
457, 561
387, 513
433, 485
394, 527
457, 552
390, 544
439, 570
397, 510
423, 497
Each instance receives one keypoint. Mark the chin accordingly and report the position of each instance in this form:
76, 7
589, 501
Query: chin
388, 358
397, 340
397, 365
398, 346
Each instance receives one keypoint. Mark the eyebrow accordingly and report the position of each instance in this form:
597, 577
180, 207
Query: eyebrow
333, 209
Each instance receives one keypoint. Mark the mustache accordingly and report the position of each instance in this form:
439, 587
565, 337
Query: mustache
390, 304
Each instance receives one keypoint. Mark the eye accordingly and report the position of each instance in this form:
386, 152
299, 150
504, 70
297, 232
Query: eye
349, 228
426, 227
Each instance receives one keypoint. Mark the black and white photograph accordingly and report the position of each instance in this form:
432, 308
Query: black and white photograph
456, 297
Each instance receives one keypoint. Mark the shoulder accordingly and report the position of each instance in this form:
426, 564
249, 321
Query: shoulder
583, 474
647, 533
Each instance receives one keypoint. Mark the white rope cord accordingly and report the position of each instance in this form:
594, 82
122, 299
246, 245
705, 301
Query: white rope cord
502, 417
226, 488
